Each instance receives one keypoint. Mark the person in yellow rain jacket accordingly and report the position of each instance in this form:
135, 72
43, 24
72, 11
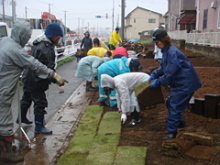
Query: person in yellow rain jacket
115, 37
100, 52
97, 42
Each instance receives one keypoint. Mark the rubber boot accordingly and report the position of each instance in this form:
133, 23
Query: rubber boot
89, 86
135, 121
7, 154
23, 117
39, 125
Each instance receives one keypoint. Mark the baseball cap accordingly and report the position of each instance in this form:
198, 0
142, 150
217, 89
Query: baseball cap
136, 64
158, 35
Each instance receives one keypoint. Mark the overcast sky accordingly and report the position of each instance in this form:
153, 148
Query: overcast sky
83, 9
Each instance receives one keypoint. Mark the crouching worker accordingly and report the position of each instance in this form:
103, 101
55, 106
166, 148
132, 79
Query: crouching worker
87, 69
13, 59
126, 98
100, 52
34, 87
177, 72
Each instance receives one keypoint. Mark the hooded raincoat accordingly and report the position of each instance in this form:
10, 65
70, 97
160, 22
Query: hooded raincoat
124, 85
115, 37
102, 45
13, 58
87, 67
86, 42
177, 72
120, 52
111, 68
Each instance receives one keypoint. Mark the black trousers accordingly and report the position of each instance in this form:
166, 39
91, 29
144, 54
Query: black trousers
39, 99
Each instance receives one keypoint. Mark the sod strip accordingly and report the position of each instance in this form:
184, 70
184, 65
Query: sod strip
130, 155
106, 142
78, 148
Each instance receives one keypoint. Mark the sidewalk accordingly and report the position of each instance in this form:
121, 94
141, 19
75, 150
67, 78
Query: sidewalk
50, 147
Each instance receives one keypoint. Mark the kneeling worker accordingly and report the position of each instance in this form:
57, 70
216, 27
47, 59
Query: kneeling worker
126, 99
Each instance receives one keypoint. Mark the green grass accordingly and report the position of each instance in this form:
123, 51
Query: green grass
140, 87
68, 59
103, 150
130, 155
96, 142
111, 123
145, 41
78, 148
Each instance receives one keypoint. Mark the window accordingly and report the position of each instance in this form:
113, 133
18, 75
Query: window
3, 31
151, 20
134, 20
218, 21
176, 24
205, 19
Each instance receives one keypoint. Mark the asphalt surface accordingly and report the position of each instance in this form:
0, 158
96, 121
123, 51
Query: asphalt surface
55, 100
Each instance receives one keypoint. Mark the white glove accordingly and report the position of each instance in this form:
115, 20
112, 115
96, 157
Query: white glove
123, 118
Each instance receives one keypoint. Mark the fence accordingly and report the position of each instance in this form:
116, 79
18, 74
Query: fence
209, 38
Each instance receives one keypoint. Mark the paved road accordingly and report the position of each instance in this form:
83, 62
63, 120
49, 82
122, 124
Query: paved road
55, 100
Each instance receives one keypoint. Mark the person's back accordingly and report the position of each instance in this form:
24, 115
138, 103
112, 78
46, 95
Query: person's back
115, 67
131, 79
97, 51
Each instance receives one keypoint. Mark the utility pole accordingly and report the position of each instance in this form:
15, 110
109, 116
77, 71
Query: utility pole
3, 9
78, 26
122, 19
25, 12
113, 17
65, 22
13, 12
49, 6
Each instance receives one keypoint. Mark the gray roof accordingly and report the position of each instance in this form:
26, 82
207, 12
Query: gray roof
142, 9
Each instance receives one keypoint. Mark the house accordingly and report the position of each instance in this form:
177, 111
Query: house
181, 15
141, 19
208, 15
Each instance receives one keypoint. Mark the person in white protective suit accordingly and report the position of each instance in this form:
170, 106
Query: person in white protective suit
13, 59
126, 99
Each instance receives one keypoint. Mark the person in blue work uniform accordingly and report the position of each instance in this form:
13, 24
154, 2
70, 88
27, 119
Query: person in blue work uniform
177, 72
87, 69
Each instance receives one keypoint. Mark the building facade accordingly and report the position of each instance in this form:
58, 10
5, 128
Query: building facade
141, 19
208, 15
181, 15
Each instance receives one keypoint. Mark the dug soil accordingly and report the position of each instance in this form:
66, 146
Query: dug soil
153, 119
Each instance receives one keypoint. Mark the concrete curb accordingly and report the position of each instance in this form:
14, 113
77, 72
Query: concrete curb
49, 148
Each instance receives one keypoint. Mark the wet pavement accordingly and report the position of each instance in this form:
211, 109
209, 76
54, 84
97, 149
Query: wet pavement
48, 148
63, 114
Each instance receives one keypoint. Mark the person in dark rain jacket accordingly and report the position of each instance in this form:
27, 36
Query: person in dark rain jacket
86, 42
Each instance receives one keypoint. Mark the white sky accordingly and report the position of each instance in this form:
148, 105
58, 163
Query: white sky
83, 9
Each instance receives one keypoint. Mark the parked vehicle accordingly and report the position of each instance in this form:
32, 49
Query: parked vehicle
4, 32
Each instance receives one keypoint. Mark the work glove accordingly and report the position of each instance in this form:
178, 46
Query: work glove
151, 78
123, 118
59, 79
60, 88
155, 84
